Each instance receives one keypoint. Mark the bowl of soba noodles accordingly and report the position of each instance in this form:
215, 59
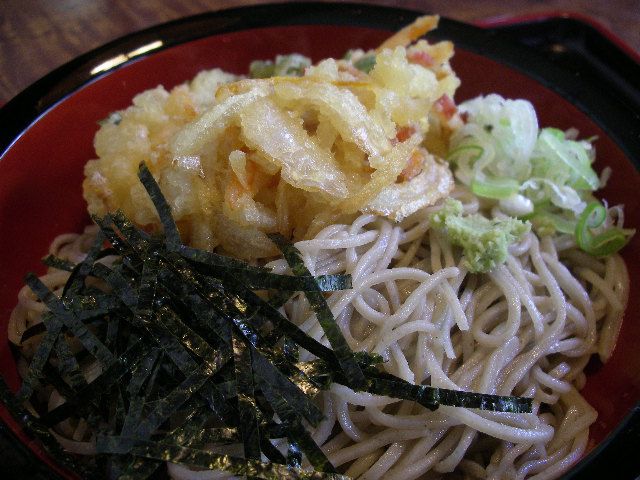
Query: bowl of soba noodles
302, 242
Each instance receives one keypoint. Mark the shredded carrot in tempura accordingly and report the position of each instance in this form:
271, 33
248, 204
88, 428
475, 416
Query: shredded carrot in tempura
410, 33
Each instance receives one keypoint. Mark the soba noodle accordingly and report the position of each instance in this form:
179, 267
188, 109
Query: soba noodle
526, 328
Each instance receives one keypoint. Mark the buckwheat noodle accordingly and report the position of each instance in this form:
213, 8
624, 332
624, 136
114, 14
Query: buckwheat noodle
526, 328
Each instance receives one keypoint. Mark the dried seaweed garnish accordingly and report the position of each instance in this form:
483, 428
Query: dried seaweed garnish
258, 307
40, 359
56, 381
190, 434
59, 263
75, 283
171, 233
99, 386
432, 397
108, 304
245, 393
323, 313
258, 278
295, 429
190, 355
294, 455
70, 320
167, 339
233, 309
68, 364
34, 428
267, 373
165, 407
212, 461
142, 372
278, 298
484, 401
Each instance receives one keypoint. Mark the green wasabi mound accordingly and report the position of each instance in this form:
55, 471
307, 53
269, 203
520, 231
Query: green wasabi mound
484, 241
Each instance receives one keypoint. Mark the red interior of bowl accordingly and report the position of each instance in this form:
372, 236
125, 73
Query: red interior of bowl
41, 174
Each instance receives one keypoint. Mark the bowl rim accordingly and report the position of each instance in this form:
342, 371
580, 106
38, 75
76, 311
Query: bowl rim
604, 105
605, 109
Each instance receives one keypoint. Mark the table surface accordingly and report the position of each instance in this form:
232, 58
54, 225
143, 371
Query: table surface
37, 36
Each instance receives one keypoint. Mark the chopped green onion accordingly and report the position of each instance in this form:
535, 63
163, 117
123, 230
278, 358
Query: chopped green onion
292, 65
465, 152
546, 223
497, 188
554, 153
602, 244
365, 64
114, 118
261, 69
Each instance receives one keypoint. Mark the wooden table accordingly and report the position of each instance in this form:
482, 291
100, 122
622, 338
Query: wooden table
37, 36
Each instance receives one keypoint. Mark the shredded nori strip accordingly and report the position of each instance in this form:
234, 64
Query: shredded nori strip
81, 271
165, 407
168, 341
139, 376
108, 305
260, 278
245, 392
319, 305
211, 461
296, 430
171, 232
34, 428
431, 397
40, 358
95, 389
68, 364
59, 263
71, 321
294, 455
190, 355
279, 298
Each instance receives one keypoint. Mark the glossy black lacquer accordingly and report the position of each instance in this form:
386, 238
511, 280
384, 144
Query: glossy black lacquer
564, 54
